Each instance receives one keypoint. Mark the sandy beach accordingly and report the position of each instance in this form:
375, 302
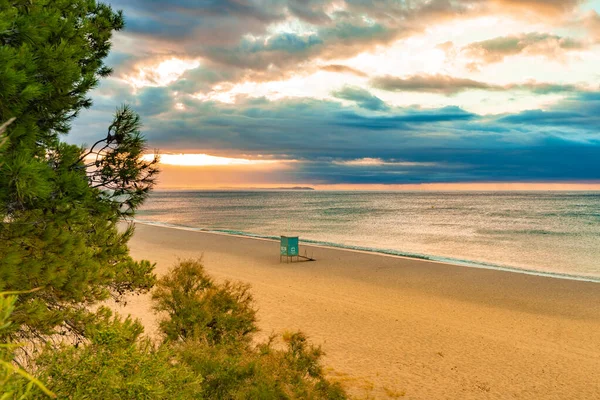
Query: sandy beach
401, 328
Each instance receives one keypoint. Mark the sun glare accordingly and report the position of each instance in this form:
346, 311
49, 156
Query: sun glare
162, 74
204, 160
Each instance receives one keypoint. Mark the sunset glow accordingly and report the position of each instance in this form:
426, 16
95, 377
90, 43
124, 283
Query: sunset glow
361, 93
204, 160
300, 199
160, 74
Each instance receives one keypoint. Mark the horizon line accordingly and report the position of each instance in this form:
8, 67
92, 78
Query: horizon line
464, 186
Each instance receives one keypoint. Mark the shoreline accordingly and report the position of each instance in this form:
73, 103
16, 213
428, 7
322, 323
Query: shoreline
392, 325
382, 252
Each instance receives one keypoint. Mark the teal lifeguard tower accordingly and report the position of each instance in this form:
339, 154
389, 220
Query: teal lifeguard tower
288, 248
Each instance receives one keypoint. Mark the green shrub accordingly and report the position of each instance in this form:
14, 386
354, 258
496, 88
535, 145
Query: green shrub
117, 363
15, 383
208, 353
260, 372
210, 326
196, 307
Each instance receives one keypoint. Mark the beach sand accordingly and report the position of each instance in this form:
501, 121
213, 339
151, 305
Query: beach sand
393, 327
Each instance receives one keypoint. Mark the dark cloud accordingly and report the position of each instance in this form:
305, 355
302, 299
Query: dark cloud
301, 128
213, 21
361, 97
526, 164
449, 85
578, 112
118, 58
278, 51
540, 117
435, 145
152, 101
201, 79
402, 120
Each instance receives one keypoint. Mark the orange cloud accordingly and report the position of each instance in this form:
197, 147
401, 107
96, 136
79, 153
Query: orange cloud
592, 23
547, 7
495, 50
449, 85
342, 69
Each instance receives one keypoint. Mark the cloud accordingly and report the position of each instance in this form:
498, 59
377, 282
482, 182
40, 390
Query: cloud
362, 97
152, 101
333, 143
378, 162
195, 160
239, 36
581, 111
497, 49
543, 162
543, 88
549, 118
449, 85
591, 22
180, 57
311, 11
214, 21
402, 119
343, 69
540, 7
294, 128
258, 40
443, 84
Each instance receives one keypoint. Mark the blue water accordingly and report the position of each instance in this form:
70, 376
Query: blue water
548, 233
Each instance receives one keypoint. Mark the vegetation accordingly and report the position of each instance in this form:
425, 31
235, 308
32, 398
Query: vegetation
61, 252
199, 309
14, 381
59, 211
117, 363
120, 363
211, 325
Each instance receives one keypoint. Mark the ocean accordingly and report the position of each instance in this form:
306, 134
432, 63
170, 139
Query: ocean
545, 233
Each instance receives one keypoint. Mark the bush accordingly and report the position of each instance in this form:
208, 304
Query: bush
117, 363
14, 382
198, 308
207, 352
260, 372
210, 326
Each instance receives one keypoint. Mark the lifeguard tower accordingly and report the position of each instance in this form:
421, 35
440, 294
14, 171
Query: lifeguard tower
289, 249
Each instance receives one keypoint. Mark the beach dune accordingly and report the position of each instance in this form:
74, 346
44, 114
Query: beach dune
394, 327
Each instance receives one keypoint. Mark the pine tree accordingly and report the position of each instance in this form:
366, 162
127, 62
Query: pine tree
59, 214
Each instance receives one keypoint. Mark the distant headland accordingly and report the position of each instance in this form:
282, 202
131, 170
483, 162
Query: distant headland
292, 188
266, 188
278, 188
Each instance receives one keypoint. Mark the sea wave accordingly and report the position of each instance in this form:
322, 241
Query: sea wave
388, 252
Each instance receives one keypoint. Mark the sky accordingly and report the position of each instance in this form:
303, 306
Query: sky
360, 93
